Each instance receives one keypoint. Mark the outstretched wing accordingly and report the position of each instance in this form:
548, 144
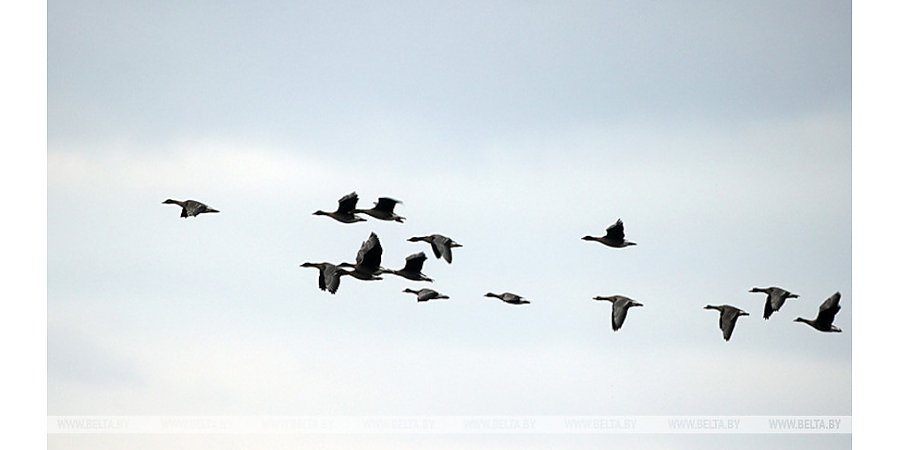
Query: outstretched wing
347, 203
618, 314
829, 309
386, 204
767, 312
616, 231
369, 255
415, 262
441, 247
436, 249
426, 294
777, 296
727, 320
322, 285
329, 278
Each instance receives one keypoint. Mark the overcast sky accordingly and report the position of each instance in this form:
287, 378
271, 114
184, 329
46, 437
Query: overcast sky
719, 132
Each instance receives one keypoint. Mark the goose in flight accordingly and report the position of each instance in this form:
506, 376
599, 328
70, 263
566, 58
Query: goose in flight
728, 316
329, 279
620, 305
440, 245
425, 294
775, 297
615, 236
383, 210
508, 297
413, 268
825, 319
344, 212
190, 208
368, 261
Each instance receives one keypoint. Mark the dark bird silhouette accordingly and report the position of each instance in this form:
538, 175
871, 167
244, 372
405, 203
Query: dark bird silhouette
615, 236
728, 316
775, 298
425, 294
510, 298
413, 268
825, 319
344, 212
368, 261
190, 208
383, 210
329, 279
440, 245
620, 305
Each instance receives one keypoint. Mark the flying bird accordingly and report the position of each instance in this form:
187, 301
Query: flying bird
440, 245
615, 236
190, 208
775, 298
620, 305
329, 279
728, 316
413, 268
824, 320
344, 212
383, 210
508, 297
368, 261
425, 294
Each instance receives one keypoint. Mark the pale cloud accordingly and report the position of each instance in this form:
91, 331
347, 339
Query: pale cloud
204, 163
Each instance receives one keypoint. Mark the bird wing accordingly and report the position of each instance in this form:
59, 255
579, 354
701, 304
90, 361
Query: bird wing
192, 207
322, 284
619, 310
510, 297
727, 320
441, 247
448, 254
347, 203
777, 297
386, 204
436, 249
369, 255
331, 277
829, 309
616, 231
415, 262
767, 312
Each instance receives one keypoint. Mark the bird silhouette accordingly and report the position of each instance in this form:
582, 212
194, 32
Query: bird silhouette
190, 208
615, 236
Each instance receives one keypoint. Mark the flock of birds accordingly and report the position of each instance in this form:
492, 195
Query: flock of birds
368, 267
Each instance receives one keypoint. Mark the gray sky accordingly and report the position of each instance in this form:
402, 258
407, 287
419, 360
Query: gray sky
718, 131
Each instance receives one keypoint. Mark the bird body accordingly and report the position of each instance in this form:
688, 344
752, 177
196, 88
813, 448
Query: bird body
775, 298
620, 305
345, 210
508, 297
728, 316
440, 245
329, 279
413, 268
383, 210
824, 321
425, 294
615, 236
190, 208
